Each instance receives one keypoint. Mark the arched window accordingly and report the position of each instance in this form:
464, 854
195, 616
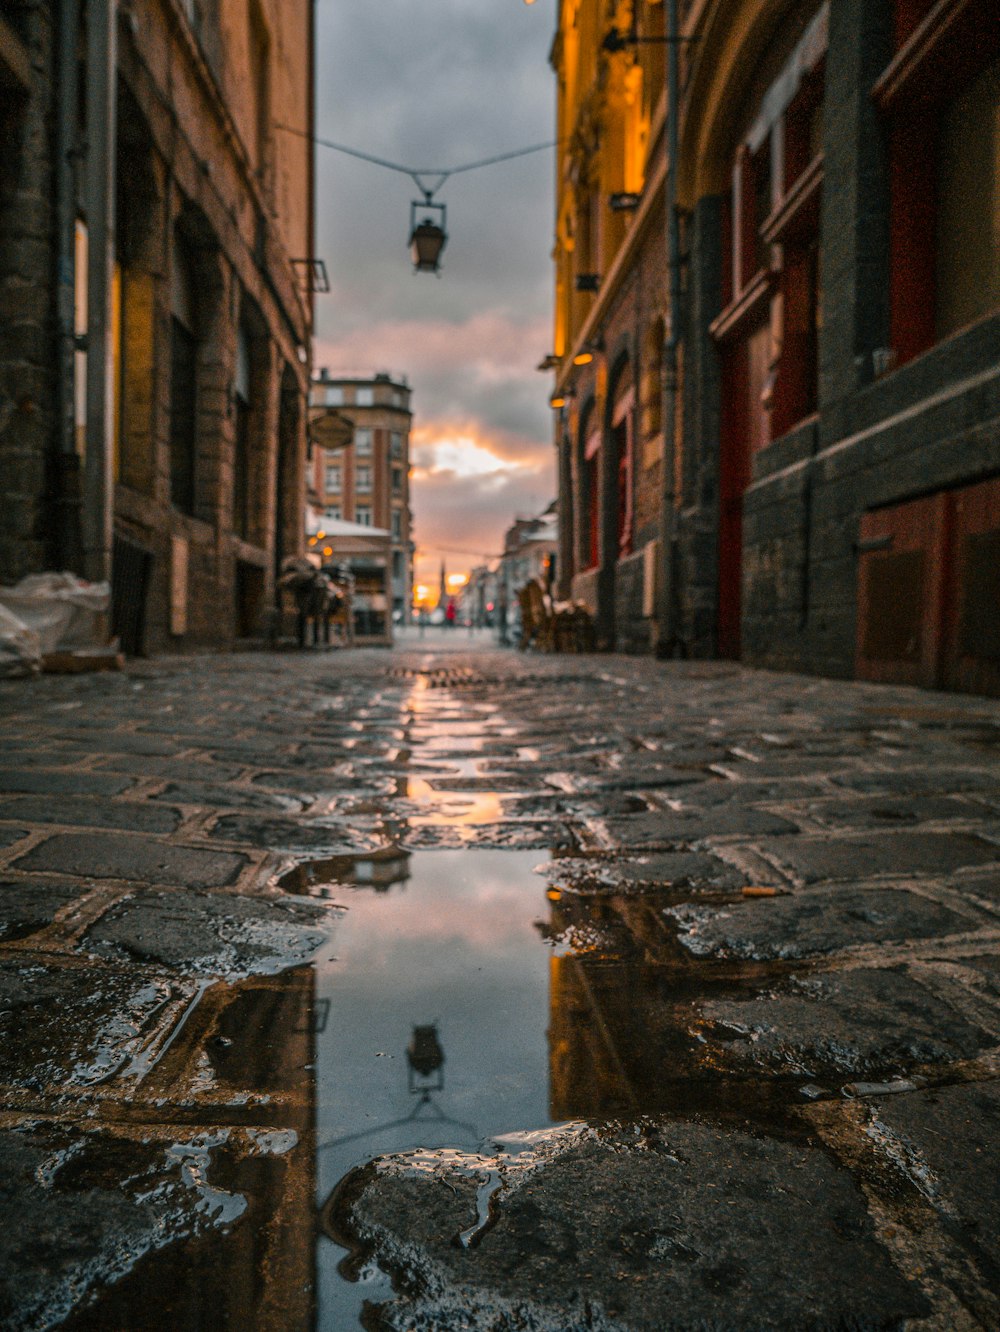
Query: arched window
623, 444
242, 389
589, 453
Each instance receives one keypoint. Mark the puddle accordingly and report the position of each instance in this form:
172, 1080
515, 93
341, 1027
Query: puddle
452, 947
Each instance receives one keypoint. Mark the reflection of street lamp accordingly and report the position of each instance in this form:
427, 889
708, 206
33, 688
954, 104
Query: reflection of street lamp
426, 1061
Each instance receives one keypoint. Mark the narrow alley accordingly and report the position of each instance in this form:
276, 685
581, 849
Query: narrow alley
457, 988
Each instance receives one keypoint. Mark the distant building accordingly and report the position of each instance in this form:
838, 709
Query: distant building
156, 271
779, 438
366, 481
530, 550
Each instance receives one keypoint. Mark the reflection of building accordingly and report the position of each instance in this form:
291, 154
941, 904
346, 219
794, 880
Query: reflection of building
618, 1038
152, 395
813, 480
257, 1040
367, 481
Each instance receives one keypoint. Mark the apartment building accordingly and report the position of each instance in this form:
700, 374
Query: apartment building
367, 481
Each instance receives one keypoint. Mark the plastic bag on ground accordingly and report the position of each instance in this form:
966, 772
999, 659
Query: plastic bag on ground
63, 610
20, 652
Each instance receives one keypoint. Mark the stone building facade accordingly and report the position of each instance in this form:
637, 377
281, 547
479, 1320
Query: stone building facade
834, 504
157, 250
368, 480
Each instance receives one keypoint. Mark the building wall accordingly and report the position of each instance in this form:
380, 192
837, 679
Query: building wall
610, 433
895, 418
212, 200
840, 315
27, 379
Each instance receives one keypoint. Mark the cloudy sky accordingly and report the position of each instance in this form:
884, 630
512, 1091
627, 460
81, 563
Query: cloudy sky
442, 83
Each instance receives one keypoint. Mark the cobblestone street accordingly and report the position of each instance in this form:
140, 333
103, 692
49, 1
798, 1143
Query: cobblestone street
735, 1065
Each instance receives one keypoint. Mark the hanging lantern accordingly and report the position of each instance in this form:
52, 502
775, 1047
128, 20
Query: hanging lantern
427, 237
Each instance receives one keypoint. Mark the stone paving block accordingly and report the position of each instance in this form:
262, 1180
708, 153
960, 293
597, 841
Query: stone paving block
57, 782
949, 1139
288, 835
638, 831
176, 769
88, 812
745, 791
693, 1227
813, 922
218, 796
216, 934
889, 812
813, 858
106, 856
73, 1026
670, 869
934, 780
122, 742
91, 1205
27, 905
523, 836
867, 1022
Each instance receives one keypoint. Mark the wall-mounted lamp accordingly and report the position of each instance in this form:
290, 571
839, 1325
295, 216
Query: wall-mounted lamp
624, 202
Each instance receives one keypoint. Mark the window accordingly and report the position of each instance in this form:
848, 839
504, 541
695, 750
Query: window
364, 397
241, 451
968, 222
363, 515
769, 329
363, 478
363, 442
331, 476
397, 480
940, 95
332, 513
395, 445
397, 525
333, 396
183, 381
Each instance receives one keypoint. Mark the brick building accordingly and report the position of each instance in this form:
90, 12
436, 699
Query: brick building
368, 480
155, 247
834, 499
611, 309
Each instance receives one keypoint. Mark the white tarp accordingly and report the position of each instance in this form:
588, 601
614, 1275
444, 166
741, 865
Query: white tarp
50, 612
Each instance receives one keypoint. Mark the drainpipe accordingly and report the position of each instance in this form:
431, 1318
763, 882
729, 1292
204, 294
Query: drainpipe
667, 635
66, 551
98, 475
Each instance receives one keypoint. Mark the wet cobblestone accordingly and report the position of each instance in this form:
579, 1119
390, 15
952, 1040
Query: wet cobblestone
773, 907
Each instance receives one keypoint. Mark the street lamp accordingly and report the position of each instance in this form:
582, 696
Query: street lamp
427, 237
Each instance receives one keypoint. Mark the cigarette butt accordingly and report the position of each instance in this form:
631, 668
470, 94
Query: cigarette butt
760, 890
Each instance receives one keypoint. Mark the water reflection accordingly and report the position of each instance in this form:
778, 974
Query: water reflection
457, 955
325, 878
